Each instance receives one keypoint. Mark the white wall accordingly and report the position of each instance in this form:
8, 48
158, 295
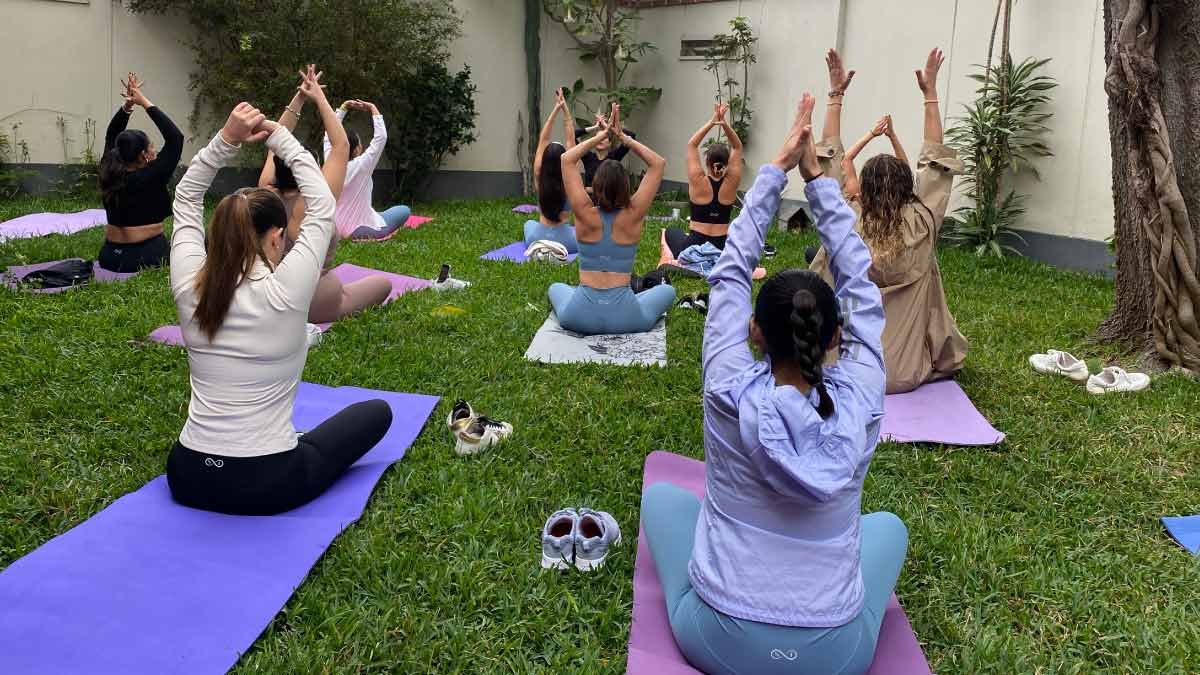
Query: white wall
885, 42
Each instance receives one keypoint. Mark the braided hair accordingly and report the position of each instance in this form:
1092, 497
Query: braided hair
798, 315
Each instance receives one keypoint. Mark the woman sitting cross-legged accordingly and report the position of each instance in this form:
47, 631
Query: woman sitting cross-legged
776, 570
901, 221
242, 306
333, 299
608, 232
356, 218
133, 185
712, 187
554, 222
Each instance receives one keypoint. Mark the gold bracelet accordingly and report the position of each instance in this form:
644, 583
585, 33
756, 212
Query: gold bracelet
833, 103
289, 109
931, 100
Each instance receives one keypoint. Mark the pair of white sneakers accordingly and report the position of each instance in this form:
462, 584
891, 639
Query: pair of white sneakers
1111, 380
474, 433
547, 251
581, 538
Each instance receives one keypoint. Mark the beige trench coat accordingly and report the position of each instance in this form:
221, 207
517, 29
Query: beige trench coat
921, 341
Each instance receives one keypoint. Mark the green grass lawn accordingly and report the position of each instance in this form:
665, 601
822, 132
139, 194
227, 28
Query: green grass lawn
1042, 555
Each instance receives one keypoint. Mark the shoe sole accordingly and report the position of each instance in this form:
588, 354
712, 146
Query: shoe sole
549, 563
1080, 377
585, 565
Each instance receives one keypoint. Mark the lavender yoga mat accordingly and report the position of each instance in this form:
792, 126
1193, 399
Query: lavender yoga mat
938, 412
148, 586
401, 284
516, 253
525, 208
38, 224
652, 649
14, 274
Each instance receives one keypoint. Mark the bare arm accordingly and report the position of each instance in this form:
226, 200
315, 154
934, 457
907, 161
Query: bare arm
927, 81
656, 166
839, 82
695, 171
287, 120
547, 130
581, 202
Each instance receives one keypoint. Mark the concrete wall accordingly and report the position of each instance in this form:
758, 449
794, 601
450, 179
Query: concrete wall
884, 42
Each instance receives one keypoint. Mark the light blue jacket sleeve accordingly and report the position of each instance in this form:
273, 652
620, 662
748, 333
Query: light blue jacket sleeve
861, 358
727, 327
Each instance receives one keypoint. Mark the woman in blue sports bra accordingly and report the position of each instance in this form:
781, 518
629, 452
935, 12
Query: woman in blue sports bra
608, 232
712, 186
554, 221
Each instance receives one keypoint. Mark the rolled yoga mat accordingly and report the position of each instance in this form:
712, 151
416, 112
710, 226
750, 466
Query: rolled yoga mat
39, 224
401, 284
13, 275
515, 252
652, 648
149, 586
555, 344
938, 412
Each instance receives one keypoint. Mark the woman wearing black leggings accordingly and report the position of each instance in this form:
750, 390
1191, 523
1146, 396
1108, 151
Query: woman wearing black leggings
133, 184
243, 307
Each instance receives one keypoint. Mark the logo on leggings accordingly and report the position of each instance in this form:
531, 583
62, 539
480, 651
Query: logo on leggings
780, 655
218, 463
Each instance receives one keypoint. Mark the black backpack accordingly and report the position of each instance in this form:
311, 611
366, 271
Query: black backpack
73, 272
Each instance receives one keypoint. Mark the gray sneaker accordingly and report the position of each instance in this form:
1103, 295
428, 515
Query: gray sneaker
558, 539
598, 531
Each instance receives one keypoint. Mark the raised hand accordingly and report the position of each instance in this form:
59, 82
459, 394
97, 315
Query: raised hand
614, 121
560, 101
246, 124
889, 130
133, 92
310, 84
366, 106
839, 79
881, 127
927, 77
798, 147
719, 111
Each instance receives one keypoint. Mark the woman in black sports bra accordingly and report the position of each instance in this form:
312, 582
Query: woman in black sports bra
712, 187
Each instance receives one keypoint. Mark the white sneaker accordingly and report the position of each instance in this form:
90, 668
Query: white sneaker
597, 532
544, 250
1112, 380
444, 282
314, 334
460, 416
558, 539
1054, 362
481, 434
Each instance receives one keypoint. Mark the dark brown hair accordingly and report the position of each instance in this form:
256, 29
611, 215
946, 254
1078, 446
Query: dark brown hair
610, 187
798, 315
234, 241
552, 196
717, 154
886, 188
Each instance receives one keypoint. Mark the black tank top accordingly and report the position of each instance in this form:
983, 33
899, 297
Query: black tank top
714, 212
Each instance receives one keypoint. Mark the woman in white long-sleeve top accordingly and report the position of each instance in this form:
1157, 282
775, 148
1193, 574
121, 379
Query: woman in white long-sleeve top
243, 308
356, 218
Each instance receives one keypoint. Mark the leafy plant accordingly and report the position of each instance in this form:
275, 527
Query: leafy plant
80, 173
731, 52
1000, 135
11, 177
376, 50
605, 33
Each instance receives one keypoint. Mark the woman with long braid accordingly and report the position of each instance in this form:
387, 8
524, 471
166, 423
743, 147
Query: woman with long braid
776, 570
133, 185
553, 224
900, 219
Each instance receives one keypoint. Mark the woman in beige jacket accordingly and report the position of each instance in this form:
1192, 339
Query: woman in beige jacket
900, 218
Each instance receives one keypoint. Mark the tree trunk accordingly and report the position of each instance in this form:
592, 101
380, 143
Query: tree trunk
1152, 49
533, 74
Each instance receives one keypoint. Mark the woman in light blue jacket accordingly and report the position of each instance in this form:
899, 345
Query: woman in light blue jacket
775, 570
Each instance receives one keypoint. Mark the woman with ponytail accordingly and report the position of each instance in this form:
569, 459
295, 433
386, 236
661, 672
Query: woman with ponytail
243, 307
133, 185
333, 299
776, 570
553, 224
901, 218
712, 187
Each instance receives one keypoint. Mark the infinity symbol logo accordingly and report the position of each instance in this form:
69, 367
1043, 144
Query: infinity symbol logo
209, 461
780, 655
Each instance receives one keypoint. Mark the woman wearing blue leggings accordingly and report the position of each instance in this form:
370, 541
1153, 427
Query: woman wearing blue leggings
784, 575
608, 232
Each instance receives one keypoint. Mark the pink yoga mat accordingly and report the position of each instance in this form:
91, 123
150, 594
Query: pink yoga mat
652, 649
38, 224
13, 275
938, 412
412, 223
401, 284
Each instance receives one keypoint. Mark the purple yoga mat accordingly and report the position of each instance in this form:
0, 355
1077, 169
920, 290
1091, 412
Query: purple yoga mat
516, 253
148, 586
938, 412
14, 274
38, 224
525, 208
173, 335
652, 649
